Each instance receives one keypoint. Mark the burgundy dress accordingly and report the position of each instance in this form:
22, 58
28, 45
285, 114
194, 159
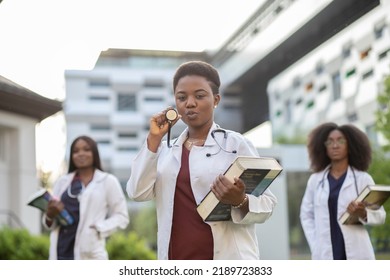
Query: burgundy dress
191, 238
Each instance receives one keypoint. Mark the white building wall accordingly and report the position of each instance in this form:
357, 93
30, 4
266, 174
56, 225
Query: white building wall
18, 173
312, 99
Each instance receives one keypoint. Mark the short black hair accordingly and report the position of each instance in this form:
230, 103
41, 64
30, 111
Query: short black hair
198, 68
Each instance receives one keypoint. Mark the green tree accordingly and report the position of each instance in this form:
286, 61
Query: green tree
44, 178
380, 234
379, 168
383, 113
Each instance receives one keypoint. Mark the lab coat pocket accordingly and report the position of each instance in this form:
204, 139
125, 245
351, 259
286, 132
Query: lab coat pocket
90, 241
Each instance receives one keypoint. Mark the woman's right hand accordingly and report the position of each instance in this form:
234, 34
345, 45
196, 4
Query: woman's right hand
159, 126
54, 207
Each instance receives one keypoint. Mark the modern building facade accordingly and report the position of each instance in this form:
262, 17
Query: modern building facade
278, 35
338, 81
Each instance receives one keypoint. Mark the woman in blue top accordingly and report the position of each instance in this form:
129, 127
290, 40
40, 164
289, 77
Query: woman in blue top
340, 157
94, 199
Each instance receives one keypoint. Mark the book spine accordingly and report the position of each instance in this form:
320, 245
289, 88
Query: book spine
66, 218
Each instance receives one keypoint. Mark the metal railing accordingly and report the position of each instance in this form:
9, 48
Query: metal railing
11, 219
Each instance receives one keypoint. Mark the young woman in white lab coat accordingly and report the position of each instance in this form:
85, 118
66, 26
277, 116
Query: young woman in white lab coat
177, 175
340, 157
94, 199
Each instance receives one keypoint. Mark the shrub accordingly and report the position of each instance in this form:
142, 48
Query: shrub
19, 244
129, 246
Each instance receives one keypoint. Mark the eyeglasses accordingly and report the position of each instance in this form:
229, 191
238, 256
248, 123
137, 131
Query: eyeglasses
340, 142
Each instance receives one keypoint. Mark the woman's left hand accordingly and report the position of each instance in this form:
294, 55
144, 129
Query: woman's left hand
357, 209
227, 192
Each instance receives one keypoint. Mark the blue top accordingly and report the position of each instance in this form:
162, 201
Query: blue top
337, 237
67, 234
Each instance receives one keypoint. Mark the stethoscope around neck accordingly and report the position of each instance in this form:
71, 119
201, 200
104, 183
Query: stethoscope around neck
225, 135
217, 130
326, 172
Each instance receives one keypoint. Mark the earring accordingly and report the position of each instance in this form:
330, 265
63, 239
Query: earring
215, 106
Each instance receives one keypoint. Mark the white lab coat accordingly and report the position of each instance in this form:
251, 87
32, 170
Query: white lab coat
153, 176
102, 204
314, 216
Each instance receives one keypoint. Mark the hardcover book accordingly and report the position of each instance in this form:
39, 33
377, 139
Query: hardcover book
40, 200
374, 196
257, 173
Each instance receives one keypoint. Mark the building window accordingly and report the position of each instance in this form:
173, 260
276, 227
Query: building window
127, 135
153, 83
383, 55
322, 88
153, 99
296, 82
364, 54
378, 31
350, 73
127, 149
99, 83
100, 127
319, 68
352, 117
127, 102
346, 52
336, 86
309, 87
310, 104
98, 98
367, 74
103, 142
287, 116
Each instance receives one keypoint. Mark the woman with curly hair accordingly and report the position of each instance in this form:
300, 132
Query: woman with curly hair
339, 157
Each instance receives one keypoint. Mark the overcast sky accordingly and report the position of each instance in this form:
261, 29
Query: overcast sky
42, 38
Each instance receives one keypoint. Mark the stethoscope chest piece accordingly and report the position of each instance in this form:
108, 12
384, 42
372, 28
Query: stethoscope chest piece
171, 115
